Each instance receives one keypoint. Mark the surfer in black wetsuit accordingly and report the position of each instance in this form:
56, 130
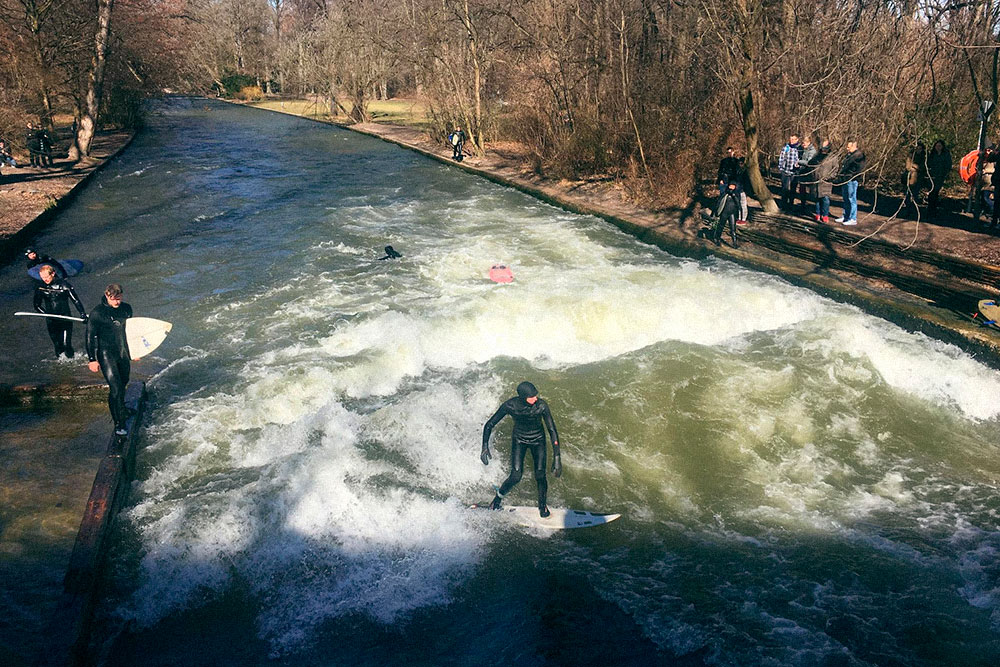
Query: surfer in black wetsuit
53, 297
528, 412
34, 259
390, 253
107, 349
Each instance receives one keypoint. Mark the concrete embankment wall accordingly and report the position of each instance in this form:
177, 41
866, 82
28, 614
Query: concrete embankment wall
69, 628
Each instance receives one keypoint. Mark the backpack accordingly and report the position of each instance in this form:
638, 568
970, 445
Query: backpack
967, 167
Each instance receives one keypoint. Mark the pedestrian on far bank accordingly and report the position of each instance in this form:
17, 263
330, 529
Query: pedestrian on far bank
53, 297
457, 141
938, 168
806, 154
852, 167
31, 141
45, 143
912, 179
788, 163
107, 349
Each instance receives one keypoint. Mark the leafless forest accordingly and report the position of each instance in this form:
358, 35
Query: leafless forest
648, 92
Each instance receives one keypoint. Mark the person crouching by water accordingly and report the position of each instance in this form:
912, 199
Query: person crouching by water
390, 253
52, 297
528, 412
107, 349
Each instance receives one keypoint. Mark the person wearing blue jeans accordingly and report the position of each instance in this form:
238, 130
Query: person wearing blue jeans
852, 167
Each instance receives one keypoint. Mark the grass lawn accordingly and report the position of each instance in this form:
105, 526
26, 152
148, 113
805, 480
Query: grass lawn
396, 111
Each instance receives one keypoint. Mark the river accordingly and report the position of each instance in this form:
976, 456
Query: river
800, 483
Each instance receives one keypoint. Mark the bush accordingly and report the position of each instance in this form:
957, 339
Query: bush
250, 93
234, 83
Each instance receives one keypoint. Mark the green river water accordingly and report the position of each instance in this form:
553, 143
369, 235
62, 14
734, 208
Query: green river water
800, 483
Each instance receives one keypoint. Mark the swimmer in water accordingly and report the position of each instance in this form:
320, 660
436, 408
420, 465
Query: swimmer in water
390, 254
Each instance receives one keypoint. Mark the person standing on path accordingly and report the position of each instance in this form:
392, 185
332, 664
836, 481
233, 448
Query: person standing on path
788, 164
107, 349
529, 412
853, 166
53, 297
806, 155
938, 168
457, 141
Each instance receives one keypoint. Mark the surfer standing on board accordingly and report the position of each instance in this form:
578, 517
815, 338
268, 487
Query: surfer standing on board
107, 349
52, 297
528, 411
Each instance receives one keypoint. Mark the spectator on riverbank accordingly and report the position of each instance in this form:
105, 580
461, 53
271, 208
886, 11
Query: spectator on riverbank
938, 168
913, 178
457, 141
729, 169
823, 171
806, 155
788, 163
853, 166
31, 142
5, 155
45, 144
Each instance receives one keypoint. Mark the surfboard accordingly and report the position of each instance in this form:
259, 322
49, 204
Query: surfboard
144, 334
55, 317
70, 266
558, 519
990, 310
501, 273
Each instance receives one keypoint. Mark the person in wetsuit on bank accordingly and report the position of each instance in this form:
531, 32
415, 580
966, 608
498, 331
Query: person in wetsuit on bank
35, 258
53, 297
107, 349
528, 412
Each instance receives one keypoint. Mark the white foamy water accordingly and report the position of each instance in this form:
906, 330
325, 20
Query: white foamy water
774, 453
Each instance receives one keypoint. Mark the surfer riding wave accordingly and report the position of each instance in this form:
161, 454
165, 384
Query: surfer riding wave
528, 411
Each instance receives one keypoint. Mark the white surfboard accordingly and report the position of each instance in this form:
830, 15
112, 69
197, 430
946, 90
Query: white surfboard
558, 519
54, 317
144, 334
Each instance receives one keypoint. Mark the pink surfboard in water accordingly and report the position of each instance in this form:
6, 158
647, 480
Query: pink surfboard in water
500, 273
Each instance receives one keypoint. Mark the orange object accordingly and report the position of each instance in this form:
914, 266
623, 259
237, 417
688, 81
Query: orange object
967, 167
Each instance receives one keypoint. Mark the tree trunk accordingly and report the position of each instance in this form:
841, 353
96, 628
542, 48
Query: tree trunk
750, 32
95, 82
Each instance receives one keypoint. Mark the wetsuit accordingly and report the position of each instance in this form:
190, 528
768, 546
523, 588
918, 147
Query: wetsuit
457, 142
45, 259
527, 436
107, 345
54, 299
390, 253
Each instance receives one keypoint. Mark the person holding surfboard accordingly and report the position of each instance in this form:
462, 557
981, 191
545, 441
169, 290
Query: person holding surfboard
107, 349
528, 411
35, 258
53, 297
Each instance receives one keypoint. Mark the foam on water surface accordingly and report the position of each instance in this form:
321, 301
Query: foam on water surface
777, 457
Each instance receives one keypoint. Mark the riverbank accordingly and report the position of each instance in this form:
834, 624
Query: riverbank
30, 197
924, 276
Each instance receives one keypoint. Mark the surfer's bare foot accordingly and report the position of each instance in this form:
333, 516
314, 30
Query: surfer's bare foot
544, 511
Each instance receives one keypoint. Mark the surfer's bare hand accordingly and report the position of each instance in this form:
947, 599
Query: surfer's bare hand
94, 366
485, 455
135, 359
